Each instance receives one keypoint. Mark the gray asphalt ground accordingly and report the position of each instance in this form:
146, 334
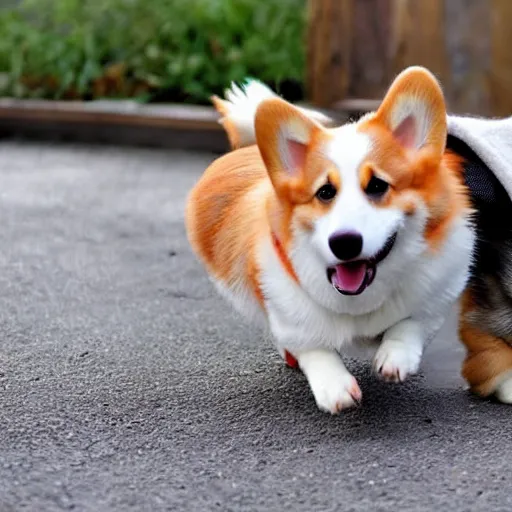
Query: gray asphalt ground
126, 384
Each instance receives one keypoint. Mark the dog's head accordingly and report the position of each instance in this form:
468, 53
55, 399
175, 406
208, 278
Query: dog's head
360, 202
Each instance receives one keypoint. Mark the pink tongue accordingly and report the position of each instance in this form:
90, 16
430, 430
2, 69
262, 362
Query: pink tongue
349, 277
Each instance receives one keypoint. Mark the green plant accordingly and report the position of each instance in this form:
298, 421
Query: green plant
176, 50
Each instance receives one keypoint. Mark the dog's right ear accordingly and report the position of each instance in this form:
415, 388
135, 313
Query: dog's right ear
285, 137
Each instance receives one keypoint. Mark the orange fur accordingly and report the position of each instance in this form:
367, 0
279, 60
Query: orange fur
245, 196
232, 191
487, 357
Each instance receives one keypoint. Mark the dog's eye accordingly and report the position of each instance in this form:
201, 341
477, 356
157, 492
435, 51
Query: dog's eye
376, 188
326, 193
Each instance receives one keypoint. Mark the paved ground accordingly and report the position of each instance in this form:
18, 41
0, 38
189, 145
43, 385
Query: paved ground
126, 384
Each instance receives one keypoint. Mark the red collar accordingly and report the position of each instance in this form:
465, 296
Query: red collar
283, 257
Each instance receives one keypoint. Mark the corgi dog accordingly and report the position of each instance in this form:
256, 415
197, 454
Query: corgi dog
351, 240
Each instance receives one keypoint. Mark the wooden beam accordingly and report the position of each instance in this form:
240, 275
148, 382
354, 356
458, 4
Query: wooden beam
112, 112
120, 122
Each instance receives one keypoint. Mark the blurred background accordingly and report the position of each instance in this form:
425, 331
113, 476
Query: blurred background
338, 54
150, 50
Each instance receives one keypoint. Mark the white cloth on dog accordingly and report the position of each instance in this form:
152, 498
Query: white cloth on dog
491, 140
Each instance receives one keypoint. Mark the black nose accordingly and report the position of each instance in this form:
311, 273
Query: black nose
346, 245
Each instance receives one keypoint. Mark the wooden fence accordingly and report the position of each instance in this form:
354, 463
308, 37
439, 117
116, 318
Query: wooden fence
356, 47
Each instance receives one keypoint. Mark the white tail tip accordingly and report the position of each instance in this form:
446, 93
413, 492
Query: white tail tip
238, 111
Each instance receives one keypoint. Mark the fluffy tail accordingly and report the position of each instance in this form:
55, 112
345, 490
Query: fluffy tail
238, 111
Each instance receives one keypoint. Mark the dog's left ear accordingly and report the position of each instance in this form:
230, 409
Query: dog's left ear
414, 111
285, 137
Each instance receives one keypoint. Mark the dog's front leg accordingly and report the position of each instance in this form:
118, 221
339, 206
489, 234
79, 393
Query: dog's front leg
333, 386
399, 354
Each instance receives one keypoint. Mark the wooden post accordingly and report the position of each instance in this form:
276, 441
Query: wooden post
501, 58
328, 55
357, 47
449, 37
370, 71
467, 55
417, 36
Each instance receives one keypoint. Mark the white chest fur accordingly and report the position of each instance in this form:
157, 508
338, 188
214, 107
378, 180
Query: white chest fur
314, 315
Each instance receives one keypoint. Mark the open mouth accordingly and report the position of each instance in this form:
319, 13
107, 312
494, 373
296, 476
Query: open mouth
353, 277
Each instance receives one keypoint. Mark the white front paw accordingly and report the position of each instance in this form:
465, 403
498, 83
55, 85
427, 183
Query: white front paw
333, 387
334, 390
395, 360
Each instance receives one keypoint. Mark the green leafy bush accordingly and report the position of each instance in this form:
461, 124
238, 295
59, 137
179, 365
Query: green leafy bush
154, 50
